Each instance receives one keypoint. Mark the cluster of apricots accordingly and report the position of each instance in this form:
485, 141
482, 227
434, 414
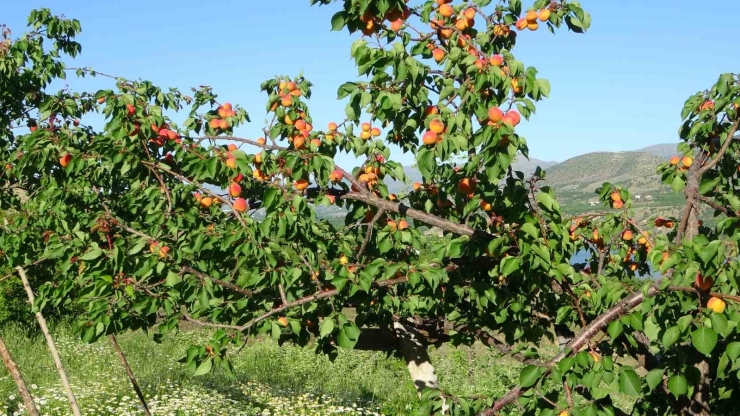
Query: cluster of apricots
156, 248
529, 21
400, 225
683, 163
662, 222
395, 17
368, 131
224, 112
616, 200
510, 118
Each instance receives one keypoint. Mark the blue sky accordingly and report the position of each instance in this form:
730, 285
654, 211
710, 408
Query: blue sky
621, 86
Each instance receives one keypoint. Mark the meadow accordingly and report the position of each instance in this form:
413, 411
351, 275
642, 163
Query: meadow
270, 379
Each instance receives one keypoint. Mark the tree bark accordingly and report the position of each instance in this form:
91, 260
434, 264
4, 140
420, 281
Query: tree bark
698, 405
18, 379
130, 374
52, 346
417, 359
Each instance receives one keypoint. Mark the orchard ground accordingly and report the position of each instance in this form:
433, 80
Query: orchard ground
271, 379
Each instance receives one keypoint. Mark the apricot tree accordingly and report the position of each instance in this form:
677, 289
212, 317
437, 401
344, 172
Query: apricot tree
149, 220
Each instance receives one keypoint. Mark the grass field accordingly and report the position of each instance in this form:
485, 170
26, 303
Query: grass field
271, 379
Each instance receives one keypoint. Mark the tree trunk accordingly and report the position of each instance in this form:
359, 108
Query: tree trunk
18, 379
698, 405
52, 346
130, 374
416, 356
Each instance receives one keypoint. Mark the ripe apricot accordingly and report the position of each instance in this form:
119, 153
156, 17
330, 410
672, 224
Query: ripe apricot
231, 163
235, 190
206, 202
687, 161
223, 124
64, 160
469, 13
436, 126
283, 321
335, 176
300, 184
261, 141
717, 305
429, 138
214, 123
375, 132
521, 24
495, 114
704, 283
627, 235
366, 127
402, 225
543, 15
445, 10
512, 118
299, 142
531, 16
438, 55
496, 60
466, 186
240, 205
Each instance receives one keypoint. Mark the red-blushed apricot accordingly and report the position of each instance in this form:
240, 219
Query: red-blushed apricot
429, 138
446, 10
65, 159
130, 110
375, 132
496, 60
704, 283
495, 114
402, 225
235, 190
627, 235
223, 124
438, 55
465, 186
521, 24
511, 118
231, 147
436, 126
240, 205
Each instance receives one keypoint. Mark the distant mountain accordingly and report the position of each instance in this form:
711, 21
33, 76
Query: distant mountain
413, 174
586, 172
664, 150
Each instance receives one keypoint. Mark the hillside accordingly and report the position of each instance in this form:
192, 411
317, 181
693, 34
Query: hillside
576, 180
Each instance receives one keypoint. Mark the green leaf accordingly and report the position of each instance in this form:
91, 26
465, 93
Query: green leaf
172, 279
327, 326
629, 382
92, 254
670, 336
204, 367
704, 339
733, 350
338, 21
529, 375
678, 385
654, 377
615, 328
137, 248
